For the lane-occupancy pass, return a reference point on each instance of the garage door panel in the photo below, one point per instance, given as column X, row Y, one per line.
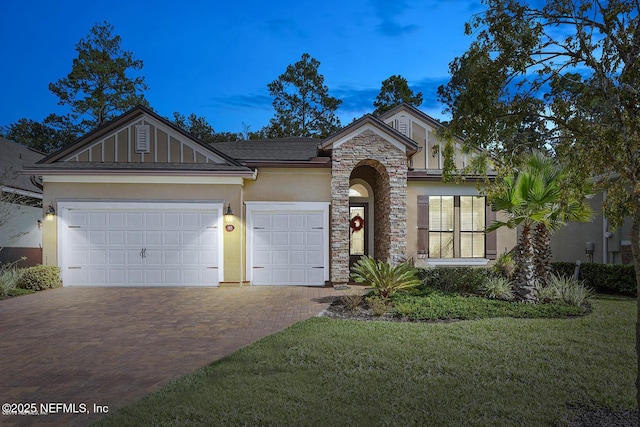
column 134, row 220
column 280, row 221
column 97, row 219
column 116, row 257
column 280, row 257
column 280, row 238
column 297, row 257
column 172, row 257
column 153, row 237
column 296, row 221
column 314, row 238
column 315, row 275
column 154, row 220
column 115, row 237
column 98, row 237
column 98, row 276
column 134, row 238
column 207, row 220
column 97, row 257
column 115, row 219
column 262, row 258
column 314, row 220
column 190, row 258
column 209, row 237
column 153, row 276
column 77, row 258
column 153, row 257
column 135, row 277
column 296, row 238
column 116, row 277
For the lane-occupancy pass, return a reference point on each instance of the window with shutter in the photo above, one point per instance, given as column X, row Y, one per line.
column 423, row 226
column 453, row 227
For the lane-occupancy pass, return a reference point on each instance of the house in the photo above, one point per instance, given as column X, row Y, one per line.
column 140, row 202
column 20, row 207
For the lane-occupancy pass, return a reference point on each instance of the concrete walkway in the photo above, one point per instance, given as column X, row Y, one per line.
column 112, row 346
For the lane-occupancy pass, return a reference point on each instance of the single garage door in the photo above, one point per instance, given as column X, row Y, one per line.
column 140, row 244
column 288, row 246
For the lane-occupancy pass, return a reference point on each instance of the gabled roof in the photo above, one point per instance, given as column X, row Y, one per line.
column 77, row 156
column 410, row 109
column 14, row 157
column 371, row 122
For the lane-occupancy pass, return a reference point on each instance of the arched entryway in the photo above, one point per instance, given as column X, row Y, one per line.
column 372, row 160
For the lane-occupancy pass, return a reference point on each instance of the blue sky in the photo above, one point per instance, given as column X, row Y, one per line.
column 215, row 58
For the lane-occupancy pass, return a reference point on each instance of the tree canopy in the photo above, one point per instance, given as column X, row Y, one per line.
column 200, row 128
column 98, row 88
column 563, row 74
column 302, row 104
column 394, row 91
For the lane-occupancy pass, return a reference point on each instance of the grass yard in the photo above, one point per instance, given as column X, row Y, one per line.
column 327, row 372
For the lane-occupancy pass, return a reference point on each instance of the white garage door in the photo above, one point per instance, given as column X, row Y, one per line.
column 142, row 244
column 289, row 246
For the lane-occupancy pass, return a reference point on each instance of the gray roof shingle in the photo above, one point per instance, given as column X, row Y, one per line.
column 280, row 149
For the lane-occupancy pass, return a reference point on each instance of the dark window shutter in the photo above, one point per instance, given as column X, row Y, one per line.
column 423, row 225
column 491, row 240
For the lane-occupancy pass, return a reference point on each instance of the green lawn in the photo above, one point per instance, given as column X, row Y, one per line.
column 326, row 372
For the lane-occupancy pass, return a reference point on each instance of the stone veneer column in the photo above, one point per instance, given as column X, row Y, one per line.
column 391, row 200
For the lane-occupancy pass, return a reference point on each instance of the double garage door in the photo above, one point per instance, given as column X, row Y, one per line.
column 140, row 244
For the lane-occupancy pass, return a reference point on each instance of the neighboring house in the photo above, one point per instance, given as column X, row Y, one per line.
column 595, row 241
column 140, row 202
column 20, row 206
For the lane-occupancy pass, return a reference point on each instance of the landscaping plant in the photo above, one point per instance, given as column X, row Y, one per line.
column 497, row 287
column 383, row 277
column 565, row 289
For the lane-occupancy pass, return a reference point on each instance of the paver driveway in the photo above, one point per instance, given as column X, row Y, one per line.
column 111, row 346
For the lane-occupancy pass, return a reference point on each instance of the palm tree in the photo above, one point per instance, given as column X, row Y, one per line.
column 535, row 199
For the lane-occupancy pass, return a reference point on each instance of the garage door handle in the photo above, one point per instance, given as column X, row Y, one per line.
column 75, row 268
column 258, row 267
column 318, row 267
column 212, row 268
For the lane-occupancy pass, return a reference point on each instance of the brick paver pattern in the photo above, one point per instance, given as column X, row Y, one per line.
column 112, row 346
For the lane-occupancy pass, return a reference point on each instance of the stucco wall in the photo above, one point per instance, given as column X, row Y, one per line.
column 234, row 258
column 21, row 229
column 289, row 184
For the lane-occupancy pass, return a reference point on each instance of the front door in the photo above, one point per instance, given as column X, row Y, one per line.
column 358, row 234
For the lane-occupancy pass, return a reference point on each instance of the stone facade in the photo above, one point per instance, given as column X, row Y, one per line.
column 390, row 199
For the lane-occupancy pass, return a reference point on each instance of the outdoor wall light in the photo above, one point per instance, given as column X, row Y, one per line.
column 51, row 212
column 228, row 215
column 228, row 219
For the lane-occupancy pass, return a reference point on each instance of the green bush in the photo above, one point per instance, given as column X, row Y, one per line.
column 505, row 266
column 564, row 289
column 497, row 287
column 384, row 278
column 9, row 278
column 467, row 280
column 379, row 305
column 352, row 299
column 40, row 277
column 606, row 278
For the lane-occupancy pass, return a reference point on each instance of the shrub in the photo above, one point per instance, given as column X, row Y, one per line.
column 606, row 278
column 352, row 300
column 497, row 287
column 384, row 278
column 379, row 305
column 562, row 288
column 9, row 278
column 40, row 277
column 454, row 279
column 505, row 265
